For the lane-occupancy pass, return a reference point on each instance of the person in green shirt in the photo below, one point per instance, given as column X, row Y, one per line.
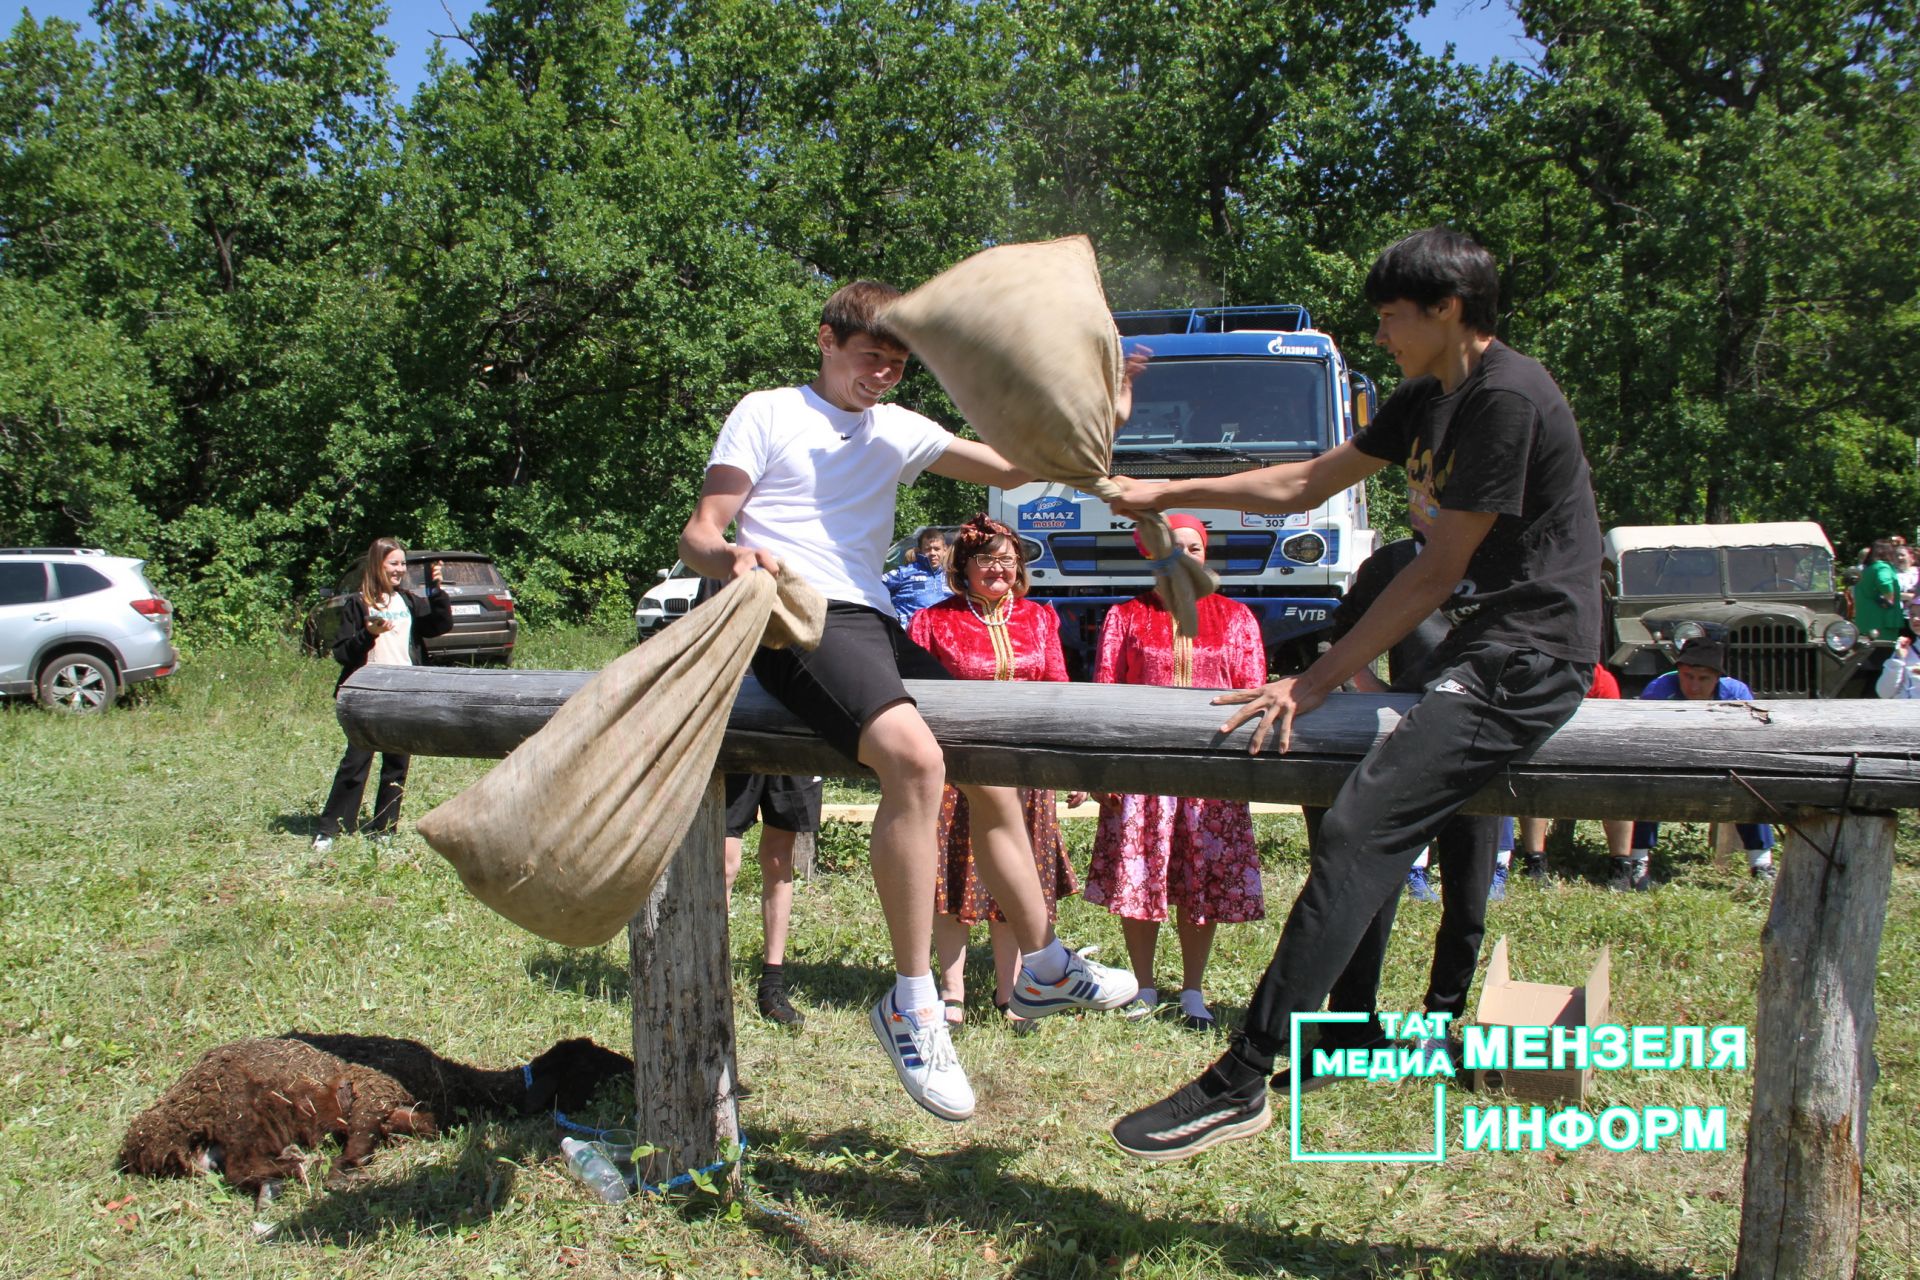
column 1876, row 597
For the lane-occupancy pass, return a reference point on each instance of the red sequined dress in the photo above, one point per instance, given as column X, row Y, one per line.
column 1151, row 852
column 1008, row 639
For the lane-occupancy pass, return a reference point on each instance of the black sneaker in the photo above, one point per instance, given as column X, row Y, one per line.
column 1762, row 872
column 1204, row 1114
column 1535, row 865
column 1620, row 875
column 1336, row 1037
column 775, row 1007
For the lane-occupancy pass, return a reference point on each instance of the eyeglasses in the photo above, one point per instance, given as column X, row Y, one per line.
column 997, row 562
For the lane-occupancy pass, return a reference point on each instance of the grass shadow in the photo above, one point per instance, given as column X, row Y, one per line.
column 304, row 825
column 590, row 973
column 831, row 984
column 1086, row 1234
column 439, row 1194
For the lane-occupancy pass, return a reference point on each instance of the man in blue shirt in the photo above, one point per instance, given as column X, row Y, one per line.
column 922, row 580
column 1698, row 677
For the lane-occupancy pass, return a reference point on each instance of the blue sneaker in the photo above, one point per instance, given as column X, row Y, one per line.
column 1417, row 886
column 1085, row 985
column 1498, row 889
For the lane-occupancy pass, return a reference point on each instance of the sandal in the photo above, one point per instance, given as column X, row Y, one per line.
column 1019, row 1025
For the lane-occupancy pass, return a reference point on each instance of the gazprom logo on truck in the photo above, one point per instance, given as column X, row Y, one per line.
column 1281, row 347
column 1050, row 512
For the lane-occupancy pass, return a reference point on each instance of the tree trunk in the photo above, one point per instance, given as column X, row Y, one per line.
column 1813, row 1051
column 683, row 1007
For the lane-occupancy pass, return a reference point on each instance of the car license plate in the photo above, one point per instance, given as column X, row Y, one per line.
column 465, row 610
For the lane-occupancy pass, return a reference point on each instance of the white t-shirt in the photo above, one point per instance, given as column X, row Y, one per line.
column 390, row 647
column 825, row 481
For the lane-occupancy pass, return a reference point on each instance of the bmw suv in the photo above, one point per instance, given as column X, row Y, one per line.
column 77, row 626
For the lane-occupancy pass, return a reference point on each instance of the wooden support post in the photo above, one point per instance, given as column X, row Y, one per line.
column 683, row 1006
column 1813, row 1052
column 804, row 847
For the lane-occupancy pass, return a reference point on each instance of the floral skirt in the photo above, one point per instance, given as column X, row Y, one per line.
column 957, row 890
column 1152, row 852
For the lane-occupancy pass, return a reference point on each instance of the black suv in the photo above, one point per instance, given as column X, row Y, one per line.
column 484, row 626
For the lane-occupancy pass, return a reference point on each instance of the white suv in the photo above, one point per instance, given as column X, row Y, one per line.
column 78, row 625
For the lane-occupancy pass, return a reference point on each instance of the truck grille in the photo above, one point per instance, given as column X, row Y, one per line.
column 1774, row 659
column 1160, row 469
column 1228, row 554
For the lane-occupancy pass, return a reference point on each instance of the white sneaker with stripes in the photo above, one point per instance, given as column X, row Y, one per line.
column 917, row 1043
column 1086, row 985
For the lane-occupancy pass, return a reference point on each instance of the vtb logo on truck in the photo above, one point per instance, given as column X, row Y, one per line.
column 1306, row 615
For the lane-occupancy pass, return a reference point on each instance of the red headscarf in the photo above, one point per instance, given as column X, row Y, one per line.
column 1177, row 520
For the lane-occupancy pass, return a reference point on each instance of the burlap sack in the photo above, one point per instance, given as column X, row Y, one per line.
column 567, row 836
column 1021, row 338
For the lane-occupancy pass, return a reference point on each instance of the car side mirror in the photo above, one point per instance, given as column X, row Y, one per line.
column 661, row 575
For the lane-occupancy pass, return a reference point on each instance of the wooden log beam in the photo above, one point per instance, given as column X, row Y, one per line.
column 684, row 1073
column 1813, row 1050
column 1668, row 760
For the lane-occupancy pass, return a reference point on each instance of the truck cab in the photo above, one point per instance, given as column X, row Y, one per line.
column 1226, row 389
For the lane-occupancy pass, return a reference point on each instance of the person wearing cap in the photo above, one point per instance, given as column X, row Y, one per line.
column 1153, row 855
column 1700, row 676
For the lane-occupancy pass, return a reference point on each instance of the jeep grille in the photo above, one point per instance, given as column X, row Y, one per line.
column 1774, row 659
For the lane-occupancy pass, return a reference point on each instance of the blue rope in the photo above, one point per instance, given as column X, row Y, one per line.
column 679, row 1179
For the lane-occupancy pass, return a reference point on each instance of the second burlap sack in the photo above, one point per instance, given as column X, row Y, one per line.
column 1021, row 337
column 568, row 835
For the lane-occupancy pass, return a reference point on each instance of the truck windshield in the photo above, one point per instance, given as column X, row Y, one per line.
column 1257, row 405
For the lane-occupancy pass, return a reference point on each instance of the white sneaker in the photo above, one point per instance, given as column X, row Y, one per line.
column 322, row 844
column 1085, row 985
column 922, row 1054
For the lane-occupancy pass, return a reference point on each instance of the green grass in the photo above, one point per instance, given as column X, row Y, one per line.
column 158, row 896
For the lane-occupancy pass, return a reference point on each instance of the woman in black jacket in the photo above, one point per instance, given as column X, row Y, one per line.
column 382, row 623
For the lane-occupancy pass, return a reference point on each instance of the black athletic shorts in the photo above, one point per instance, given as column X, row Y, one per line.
column 777, row 799
column 852, row 677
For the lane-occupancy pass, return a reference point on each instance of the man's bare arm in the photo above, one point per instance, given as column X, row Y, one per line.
column 1415, row 592
column 703, row 543
column 1278, row 490
column 976, row 463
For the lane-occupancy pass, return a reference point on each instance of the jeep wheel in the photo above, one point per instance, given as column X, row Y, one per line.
column 77, row 682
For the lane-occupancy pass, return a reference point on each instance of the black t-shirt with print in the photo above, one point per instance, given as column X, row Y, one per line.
column 1504, row 442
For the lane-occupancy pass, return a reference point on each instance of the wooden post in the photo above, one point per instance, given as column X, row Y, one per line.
column 804, row 846
column 1813, row 1052
column 683, row 1006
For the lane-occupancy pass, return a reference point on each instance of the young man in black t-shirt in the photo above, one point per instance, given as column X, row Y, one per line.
column 1501, row 501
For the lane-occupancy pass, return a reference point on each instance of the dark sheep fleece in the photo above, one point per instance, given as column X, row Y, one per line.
column 247, row 1108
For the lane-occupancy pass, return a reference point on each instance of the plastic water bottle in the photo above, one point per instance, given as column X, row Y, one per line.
column 593, row 1168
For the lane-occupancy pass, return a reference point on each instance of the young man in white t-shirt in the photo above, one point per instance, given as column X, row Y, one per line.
column 810, row 476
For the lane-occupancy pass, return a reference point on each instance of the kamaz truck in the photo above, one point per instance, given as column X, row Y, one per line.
column 1226, row 389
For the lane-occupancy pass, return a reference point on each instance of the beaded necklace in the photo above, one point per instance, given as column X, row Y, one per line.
column 999, row 613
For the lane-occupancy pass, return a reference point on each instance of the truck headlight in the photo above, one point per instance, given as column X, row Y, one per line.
column 1304, row 548
column 1688, row 631
column 1841, row 636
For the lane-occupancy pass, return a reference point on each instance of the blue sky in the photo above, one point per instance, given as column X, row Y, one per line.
column 1481, row 30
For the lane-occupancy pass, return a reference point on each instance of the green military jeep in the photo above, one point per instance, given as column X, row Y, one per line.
column 1767, row 590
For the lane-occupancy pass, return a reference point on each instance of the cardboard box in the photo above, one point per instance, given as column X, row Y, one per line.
column 1504, row 1002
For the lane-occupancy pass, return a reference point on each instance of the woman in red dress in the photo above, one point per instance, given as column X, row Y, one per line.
column 1152, row 852
column 989, row 630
